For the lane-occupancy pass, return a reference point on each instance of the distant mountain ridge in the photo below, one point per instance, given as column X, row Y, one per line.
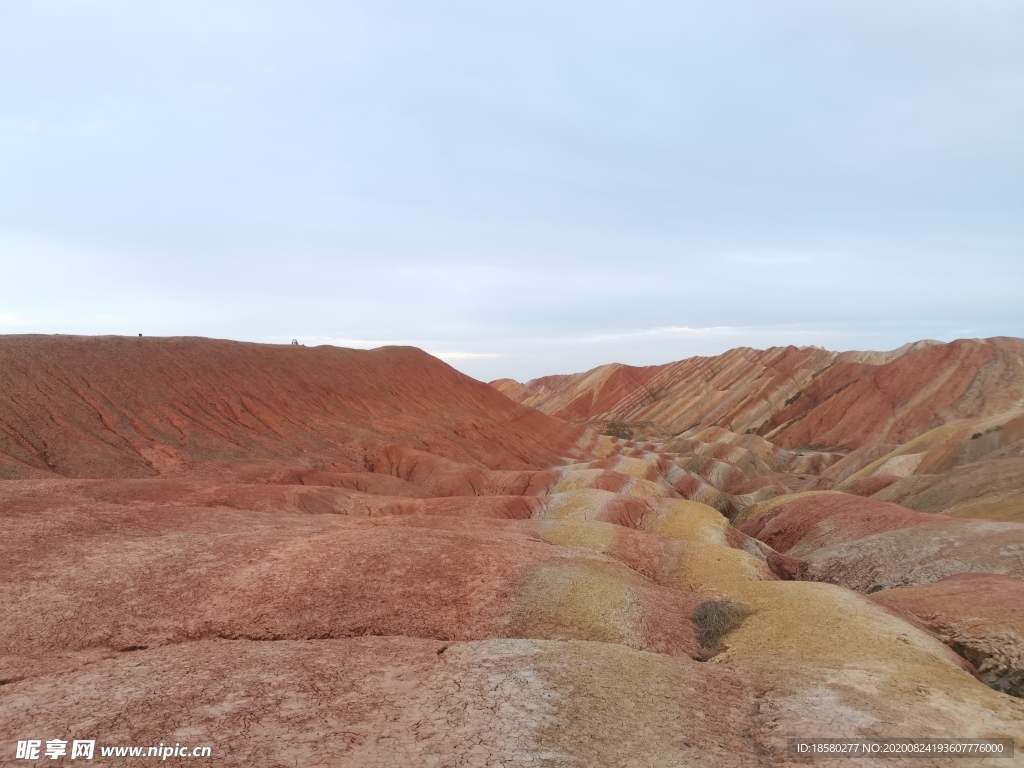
column 795, row 396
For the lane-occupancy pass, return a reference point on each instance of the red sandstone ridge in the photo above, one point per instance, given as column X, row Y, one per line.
column 797, row 396
column 153, row 407
column 451, row 578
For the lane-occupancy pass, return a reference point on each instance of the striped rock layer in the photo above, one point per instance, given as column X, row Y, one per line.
column 339, row 557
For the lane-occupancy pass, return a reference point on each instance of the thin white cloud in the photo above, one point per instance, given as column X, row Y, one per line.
column 710, row 332
column 11, row 320
column 465, row 355
column 335, row 341
column 779, row 259
column 666, row 332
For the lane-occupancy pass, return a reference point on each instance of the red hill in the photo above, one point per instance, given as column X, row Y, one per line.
column 148, row 407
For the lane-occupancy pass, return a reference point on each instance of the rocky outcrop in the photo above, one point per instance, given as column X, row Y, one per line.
column 979, row 615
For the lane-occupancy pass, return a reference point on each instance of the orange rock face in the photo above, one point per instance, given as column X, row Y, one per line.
column 364, row 558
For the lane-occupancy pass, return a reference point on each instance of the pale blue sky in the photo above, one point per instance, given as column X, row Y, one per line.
column 524, row 187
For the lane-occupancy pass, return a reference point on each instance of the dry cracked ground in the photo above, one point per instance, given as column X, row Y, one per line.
column 328, row 557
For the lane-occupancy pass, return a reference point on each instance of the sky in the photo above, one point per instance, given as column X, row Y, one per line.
column 520, row 187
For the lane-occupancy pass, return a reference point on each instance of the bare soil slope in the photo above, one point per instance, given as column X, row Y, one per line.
column 152, row 407
column 337, row 557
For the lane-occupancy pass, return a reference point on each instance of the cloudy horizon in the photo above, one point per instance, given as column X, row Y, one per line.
column 519, row 188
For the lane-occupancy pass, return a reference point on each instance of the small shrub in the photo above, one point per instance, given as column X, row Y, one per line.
column 714, row 620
